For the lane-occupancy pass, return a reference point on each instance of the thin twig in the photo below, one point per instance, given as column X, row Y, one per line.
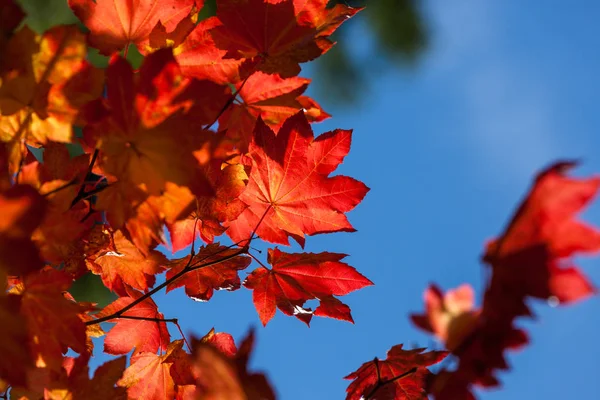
column 228, row 104
column 58, row 189
column 381, row 383
column 183, row 336
column 149, row 294
column 258, row 261
column 151, row 319
column 188, row 268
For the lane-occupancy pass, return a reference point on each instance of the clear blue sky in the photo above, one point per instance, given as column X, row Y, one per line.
column 448, row 148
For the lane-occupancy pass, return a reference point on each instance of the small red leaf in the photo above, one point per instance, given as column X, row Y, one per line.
column 299, row 277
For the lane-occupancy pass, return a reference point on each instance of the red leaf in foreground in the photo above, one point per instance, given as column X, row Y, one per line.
column 223, row 378
column 299, row 277
column 219, row 270
column 290, row 182
column 222, row 341
column 530, row 259
column 140, row 335
column 401, row 376
column 76, row 382
column 22, row 209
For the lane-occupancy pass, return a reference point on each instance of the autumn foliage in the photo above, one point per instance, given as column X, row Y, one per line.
column 211, row 138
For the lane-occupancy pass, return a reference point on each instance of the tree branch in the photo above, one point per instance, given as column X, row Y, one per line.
column 381, row 383
column 188, row 268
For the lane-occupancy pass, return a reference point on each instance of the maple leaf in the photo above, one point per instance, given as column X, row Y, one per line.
column 530, row 259
column 134, row 131
column 63, row 225
column 220, row 377
column 277, row 35
column 298, row 277
column 271, row 98
column 401, row 376
column 22, row 209
column 122, row 265
column 142, row 334
column 530, row 255
column 290, row 191
column 45, row 80
column 199, row 57
column 53, row 321
column 450, row 317
column 76, row 383
column 222, row 341
column 14, row 363
column 149, row 377
column 211, row 211
column 216, row 267
column 115, row 24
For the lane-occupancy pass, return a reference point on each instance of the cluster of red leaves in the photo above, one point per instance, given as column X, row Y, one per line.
column 531, row 259
column 150, row 162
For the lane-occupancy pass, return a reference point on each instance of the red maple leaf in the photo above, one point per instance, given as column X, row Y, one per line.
column 136, row 329
column 116, row 24
column 22, row 209
column 532, row 253
column 75, row 382
column 299, row 277
column 290, row 191
column 530, row 259
column 221, row 377
column 273, row 99
column 199, row 57
column 277, row 34
column 401, row 376
column 214, row 267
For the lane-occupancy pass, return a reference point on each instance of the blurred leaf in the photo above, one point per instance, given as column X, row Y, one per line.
column 399, row 34
column 90, row 288
column 43, row 14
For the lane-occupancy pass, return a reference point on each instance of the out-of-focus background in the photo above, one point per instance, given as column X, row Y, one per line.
column 455, row 105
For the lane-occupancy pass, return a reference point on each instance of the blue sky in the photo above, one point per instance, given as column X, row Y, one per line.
column 448, row 149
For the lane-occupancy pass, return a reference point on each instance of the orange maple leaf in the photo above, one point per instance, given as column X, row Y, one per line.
column 149, row 375
column 116, row 24
column 122, row 265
